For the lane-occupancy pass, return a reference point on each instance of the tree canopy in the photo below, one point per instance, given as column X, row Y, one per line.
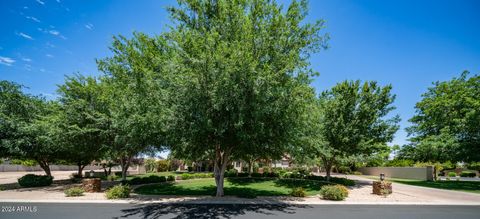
column 351, row 119
column 245, row 77
column 446, row 122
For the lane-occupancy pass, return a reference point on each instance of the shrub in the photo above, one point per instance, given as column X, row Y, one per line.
column 171, row 178
column 452, row 174
column 146, row 180
column 231, row 173
column 112, row 177
column 243, row 174
column 467, row 174
column 298, row 192
column 32, row 180
column 150, row 165
column 257, row 175
column 187, row 176
column 162, row 165
column 342, row 181
column 75, row 178
column 334, row 192
column 118, row 191
column 74, row 191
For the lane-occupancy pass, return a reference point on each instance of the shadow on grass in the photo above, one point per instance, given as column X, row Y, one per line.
column 210, row 190
column 306, row 184
column 184, row 210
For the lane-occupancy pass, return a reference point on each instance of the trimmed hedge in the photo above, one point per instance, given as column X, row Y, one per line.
column 467, row 174
column 171, row 178
column 32, row 180
column 452, row 174
column 294, row 175
column 147, row 180
column 334, row 192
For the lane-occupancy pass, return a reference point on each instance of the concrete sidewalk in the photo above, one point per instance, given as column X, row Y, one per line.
column 359, row 194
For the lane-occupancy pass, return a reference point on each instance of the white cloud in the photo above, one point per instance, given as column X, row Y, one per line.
column 33, row 18
column 89, row 26
column 42, row 70
column 40, row 2
column 6, row 61
column 27, row 67
column 49, row 45
column 54, row 32
column 25, row 7
column 63, row 37
column 25, row 36
column 49, row 55
column 26, row 59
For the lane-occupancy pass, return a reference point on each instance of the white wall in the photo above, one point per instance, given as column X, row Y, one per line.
column 420, row 173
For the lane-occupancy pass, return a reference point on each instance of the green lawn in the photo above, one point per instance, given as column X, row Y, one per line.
column 465, row 186
column 242, row 187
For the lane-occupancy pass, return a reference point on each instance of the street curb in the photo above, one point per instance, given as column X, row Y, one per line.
column 219, row 202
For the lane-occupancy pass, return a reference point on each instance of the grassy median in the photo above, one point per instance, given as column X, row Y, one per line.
column 242, row 187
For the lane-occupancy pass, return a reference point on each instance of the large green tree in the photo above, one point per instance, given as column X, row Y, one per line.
column 136, row 79
column 84, row 120
column 244, row 73
column 28, row 126
column 446, row 125
column 351, row 119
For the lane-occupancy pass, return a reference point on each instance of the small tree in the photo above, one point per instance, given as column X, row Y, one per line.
column 351, row 120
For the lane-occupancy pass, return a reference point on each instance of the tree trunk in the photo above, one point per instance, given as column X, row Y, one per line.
column 221, row 161
column 328, row 169
column 250, row 167
column 125, row 163
column 45, row 166
column 80, row 169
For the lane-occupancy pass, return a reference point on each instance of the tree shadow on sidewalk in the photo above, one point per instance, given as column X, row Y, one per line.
column 185, row 210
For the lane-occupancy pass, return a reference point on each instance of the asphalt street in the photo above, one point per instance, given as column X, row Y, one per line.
column 102, row 210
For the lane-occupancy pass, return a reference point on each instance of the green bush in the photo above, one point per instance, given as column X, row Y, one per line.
column 231, row 173
column 468, row 174
column 187, row 176
column 32, row 180
column 118, row 191
column 257, row 175
column 162, row 165
column 112, row 177
column 150, row 165
column 452, row 174
column 298, row 192
column 146, row 180
column 74, row 191
column 334, row 192
column 474, row 166
column 171, row 178
column 243, row 174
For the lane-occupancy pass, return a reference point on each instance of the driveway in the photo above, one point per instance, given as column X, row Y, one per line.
column 422, row 194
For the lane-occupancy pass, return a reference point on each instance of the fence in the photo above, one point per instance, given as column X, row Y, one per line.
column 420, row 173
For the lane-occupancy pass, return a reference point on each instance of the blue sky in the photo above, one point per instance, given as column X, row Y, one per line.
column 406, row 43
